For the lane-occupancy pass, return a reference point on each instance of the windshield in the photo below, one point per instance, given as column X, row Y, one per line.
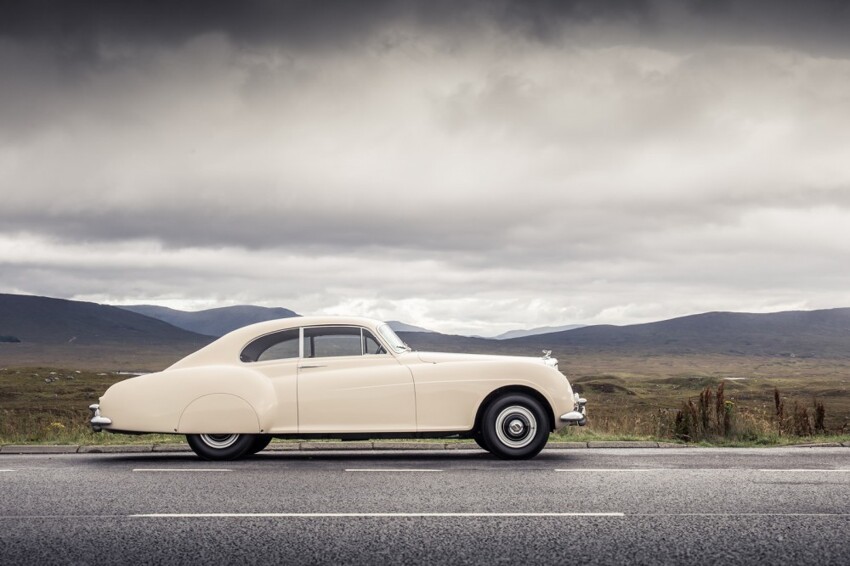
column 392, row 339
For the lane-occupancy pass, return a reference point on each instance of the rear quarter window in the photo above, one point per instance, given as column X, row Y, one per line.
column 275, row 346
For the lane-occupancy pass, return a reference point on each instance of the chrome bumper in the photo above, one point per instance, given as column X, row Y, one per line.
column 578, row 416
column 97, row 421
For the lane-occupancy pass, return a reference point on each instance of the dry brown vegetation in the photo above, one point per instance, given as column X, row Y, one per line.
column 51, row 406
column 713, row 398
column 688, row 398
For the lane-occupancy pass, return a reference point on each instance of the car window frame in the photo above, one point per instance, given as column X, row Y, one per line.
column 361, row 328
column 376, row 336
column 260, row 337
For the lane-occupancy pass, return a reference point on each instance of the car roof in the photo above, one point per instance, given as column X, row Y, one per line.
column 225, row 348
column 259, row 328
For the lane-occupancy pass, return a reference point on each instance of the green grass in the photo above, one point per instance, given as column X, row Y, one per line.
column 50, row 406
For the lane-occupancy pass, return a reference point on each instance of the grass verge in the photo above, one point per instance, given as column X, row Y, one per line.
column 49, row 406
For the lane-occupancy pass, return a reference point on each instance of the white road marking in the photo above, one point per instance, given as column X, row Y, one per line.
column 807, row 470
column 378, row 515
column 611, row 470
column 391, row 470
column 739, row 515
column 7, row 470
column 181, row 470
column 798, row 470
column 410, row 515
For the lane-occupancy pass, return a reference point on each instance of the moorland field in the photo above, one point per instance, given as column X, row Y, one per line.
column 719, row 377
column 628, row 397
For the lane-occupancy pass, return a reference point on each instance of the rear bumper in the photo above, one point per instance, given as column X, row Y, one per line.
column 97, row 420
column 578, row 416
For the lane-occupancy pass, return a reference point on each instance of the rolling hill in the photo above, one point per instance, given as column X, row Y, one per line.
column 399, row 326
column 66, row 333
column 212, row 322
column 803, row 334
column 519, row 333
column 42, row 320
column 62, row 333
column 797, row 334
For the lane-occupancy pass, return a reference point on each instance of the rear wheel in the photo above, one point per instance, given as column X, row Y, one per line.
column 220, row 446
column 515, row 426
column 260, row 442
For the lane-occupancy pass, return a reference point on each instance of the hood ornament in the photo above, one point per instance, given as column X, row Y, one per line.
column 547, row 354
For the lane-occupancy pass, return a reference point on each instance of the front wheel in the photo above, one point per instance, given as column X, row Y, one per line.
column 479, row 440
column 515, row 426
column 220, row 446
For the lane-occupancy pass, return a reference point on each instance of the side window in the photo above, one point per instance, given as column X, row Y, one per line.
column 371, row 345
column 327, row 341
column 276, row 346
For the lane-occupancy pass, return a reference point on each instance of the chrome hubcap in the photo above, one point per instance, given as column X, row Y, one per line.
column 516, row 426
column 219, row 441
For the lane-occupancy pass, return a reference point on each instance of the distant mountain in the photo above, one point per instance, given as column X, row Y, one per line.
column 437, row 342
column 212, row 322
column 519, row 333
column 46, row 332
column 404, row 327
column 820, row 333
column 42, row 320
column 801, row 334
column 61, row 333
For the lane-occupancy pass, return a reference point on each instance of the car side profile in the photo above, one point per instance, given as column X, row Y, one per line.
column 341, row 377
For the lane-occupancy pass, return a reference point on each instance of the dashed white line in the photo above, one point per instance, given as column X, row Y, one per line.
column 181, row 470
column 610, row 470
column 391, row 470
column 378, row 515
column 739, row 514
column 804, row 470
column 7, row 470
column 796, row 470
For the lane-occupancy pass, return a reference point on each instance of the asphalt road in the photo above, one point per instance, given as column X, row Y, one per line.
column 640, row 506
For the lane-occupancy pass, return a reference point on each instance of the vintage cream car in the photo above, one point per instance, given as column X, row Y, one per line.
column 340, row 377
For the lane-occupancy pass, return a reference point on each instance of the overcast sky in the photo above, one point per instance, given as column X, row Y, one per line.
column 469, row 167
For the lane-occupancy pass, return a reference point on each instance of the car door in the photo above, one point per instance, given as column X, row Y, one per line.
column 276, row 356
column 349, row 383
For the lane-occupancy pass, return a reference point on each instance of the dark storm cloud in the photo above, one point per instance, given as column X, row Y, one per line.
column 510, row 163
column 77, row 26
column 174, row 22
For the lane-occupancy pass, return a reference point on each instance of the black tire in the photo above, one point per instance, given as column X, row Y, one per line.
column 515, row 426
column 260, row 442
column 479, row 440
column 220, row 446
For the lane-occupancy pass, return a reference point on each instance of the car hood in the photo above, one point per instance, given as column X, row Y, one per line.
column 443, row 357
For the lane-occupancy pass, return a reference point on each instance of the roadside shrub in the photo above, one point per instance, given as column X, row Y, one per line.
column 779, row 404
column 799, row 422
column 800, row 419
column 712, row 417
column 820, row 415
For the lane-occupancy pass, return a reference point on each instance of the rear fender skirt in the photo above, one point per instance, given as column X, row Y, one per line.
column 219, row 413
